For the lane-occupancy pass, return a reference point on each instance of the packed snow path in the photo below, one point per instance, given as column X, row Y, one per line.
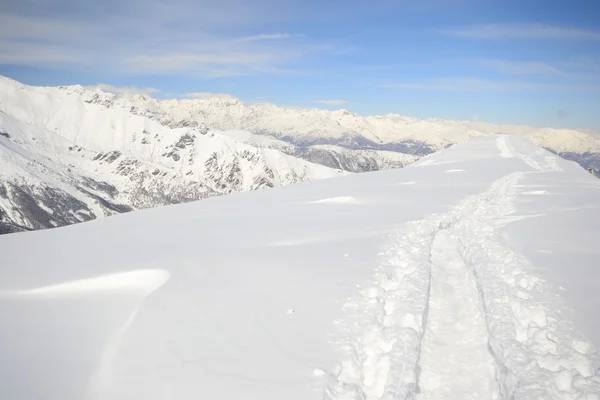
column 454, row 314
column 455, row 362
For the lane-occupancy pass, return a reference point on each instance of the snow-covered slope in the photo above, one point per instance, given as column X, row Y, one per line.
column 69, row 154
column 470, row 274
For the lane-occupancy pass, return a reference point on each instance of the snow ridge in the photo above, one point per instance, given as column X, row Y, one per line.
column 454, row 261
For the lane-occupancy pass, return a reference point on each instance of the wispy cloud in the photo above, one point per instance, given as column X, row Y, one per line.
column 331, row 102
column 477, row 85
column 123, row 89
column 522, row 31
column 147, row 37
column 272, row 36
column 558, row 72
column 376, row 67
column 518, row 67
column 17, row 52
column 207, row 95
column 217, row 63
column 221, row 59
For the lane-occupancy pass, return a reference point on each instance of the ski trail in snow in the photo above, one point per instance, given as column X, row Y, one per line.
column 382, row 336
column 502, row 144
column 541, row 161
column 455, row 362
column 453, row 313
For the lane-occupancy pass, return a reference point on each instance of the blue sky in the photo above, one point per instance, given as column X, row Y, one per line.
column 527, row 62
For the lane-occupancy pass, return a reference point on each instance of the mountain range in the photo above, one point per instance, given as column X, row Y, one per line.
column 70, row 154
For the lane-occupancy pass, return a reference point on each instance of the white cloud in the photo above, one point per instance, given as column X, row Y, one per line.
column 331, row 102
column 123, row 89
column 522, row 31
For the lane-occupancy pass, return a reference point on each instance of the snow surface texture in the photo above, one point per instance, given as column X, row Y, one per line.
column 405, row 284
column 70, row 155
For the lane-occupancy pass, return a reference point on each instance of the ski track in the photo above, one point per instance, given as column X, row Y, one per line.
column 454, row 313
column 502, row 144
column 455, row 362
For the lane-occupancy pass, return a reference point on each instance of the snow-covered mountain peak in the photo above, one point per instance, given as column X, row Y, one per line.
column 342, row 112
column 71, row 153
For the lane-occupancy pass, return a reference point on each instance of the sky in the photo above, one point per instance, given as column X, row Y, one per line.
column 534, row 62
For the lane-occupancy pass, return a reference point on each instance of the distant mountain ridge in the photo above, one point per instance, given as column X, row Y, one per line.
column 68, row 154
column 71, row 154
column 344, row 128
column 306, row 127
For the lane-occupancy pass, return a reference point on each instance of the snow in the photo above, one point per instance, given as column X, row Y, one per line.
column 144, row 281
column 337, row 200
column 411, row 283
